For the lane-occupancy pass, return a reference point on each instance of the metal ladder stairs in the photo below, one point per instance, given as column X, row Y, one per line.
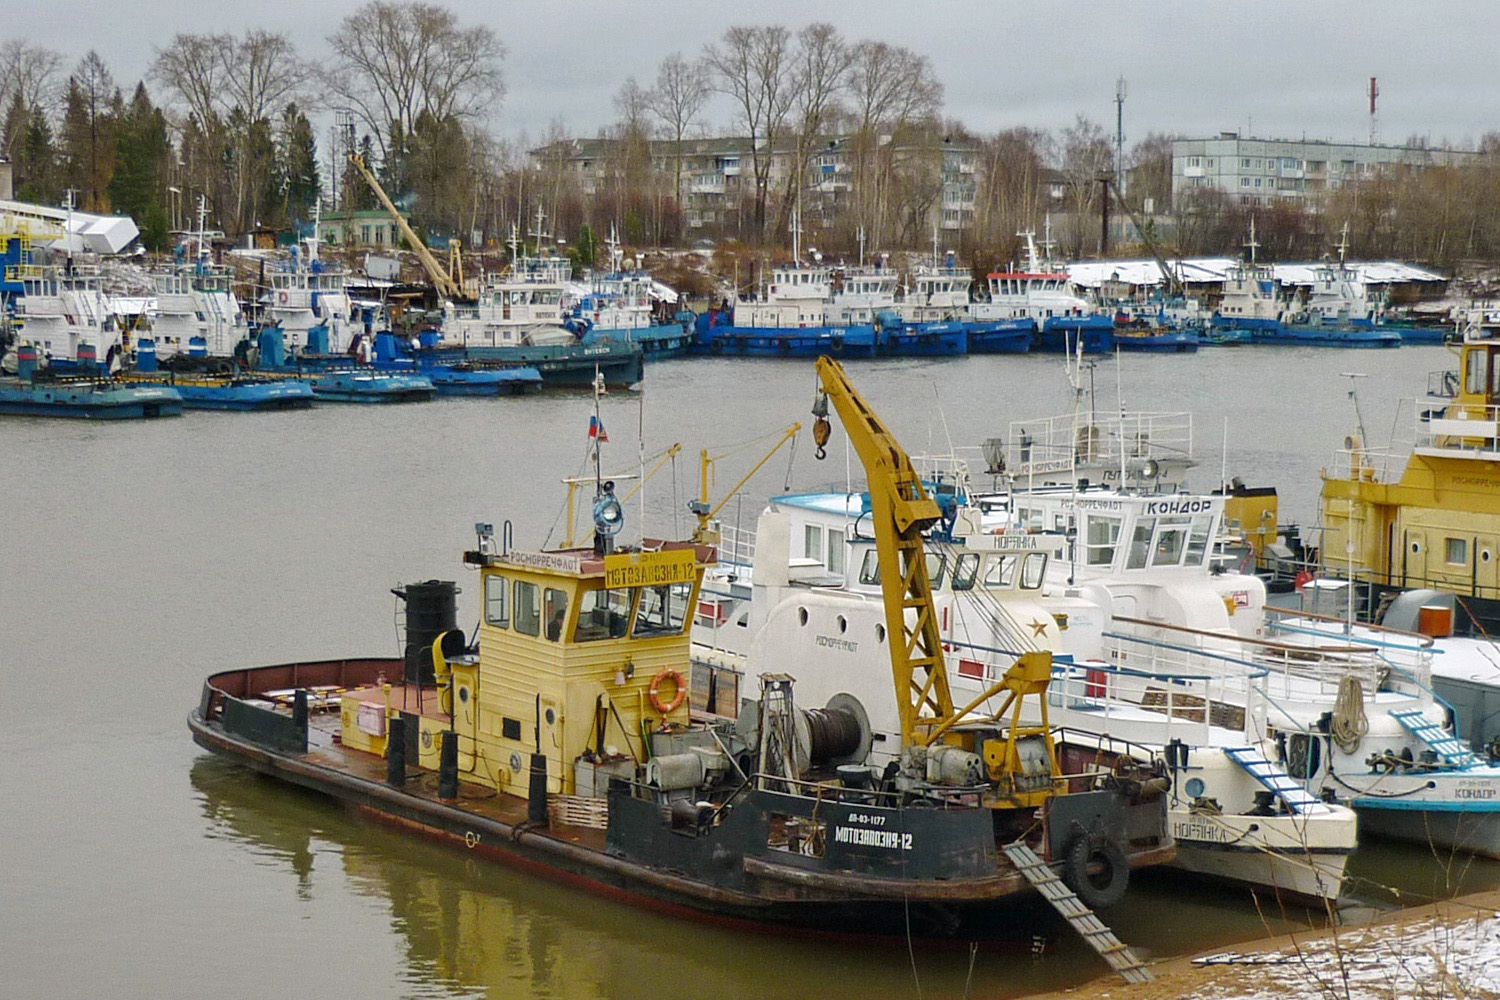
column 1271, row 776
column 1447, row 746
column 1064, row 901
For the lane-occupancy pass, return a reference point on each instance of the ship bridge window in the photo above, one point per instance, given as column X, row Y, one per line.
column 1034, row 570
column 869, row 570
column 1140, row 543
column 602, row 614
column 1102, row 535
column 555, row 607
column 965, row 569
column 1197, row 549
column 527, row 608
column 662, row 610
column 836, row 552
column 1000, row 571
column 1171, row 536
column 1475, row 363
column 495, row 587
column 812, row 542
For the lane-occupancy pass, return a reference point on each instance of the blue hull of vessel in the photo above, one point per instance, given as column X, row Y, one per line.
column 290, row 394
column 1168, row 342
column 88, row 402
column 1013, row 336
column 926, row 340
column 1064, row 333
column 809, row 342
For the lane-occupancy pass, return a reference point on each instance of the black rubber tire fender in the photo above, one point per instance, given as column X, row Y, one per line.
column 1103, row 888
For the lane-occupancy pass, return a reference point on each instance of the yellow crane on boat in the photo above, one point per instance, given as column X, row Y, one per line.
column 901, row 510
column 700, row 507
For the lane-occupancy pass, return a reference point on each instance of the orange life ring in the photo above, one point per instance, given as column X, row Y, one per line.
column 655, row 691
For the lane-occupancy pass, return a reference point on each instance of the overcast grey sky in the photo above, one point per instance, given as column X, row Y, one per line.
column 1272, row 69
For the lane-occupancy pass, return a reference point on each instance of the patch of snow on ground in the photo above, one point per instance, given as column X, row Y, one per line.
column 1426, row 959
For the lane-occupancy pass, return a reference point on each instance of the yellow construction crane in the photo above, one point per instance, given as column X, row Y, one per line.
column 447, row 285
column 901, row 510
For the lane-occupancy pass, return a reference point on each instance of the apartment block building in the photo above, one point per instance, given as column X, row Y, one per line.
column 1258, row 171
column 718, row 174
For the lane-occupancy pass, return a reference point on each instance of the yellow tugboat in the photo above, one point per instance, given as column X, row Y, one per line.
column 1433, row 524
column 562, row 739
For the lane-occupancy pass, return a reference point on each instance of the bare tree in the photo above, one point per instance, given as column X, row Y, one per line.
column 819, row 71
column 632, row 181
column 262, row 74
column 31, row 71
column 396, row 60
column 750, row 67
column 1012, row 166
column 193, row 70
column 1087, row 153
column 681, row 88
column 890, row 88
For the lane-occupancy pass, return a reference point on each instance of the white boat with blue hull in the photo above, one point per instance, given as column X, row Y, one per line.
column 1061, row 320
column 213, row 384
column 626, row 304
column 1341, row 709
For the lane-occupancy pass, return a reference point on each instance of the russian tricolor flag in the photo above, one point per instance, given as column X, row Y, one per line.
column 596, row 430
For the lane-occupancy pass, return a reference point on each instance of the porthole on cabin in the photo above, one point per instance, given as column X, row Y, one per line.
column 880, row 633
column 1416, row 547
column 802, row 616
column 1484, row 555
column 843, row 624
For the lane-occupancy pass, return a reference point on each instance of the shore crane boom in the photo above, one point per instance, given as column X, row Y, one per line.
column 445, row 283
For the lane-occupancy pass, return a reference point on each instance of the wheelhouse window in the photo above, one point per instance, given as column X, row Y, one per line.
column 937, row 568
column 1140, row 543
column 495, row 589
column 1474, row 372
column 1033, row 570
column 812, row 541
column 869, row 569
column 662, row 610
column 1000, row 571
column 965, row 570
column 555, row 609
column 602, row 614
column 1197, row 550
column 835, row 561
column 527, row 608
column 1171, row 541
column 1102, row 534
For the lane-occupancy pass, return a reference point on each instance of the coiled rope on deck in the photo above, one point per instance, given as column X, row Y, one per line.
column 1349, row 723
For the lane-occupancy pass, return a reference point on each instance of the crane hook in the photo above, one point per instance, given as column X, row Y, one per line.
column 822, row 430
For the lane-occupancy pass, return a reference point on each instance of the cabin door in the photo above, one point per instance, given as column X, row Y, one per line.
column 464, row 677
column 551, row 737
column 1415, row 564
column 1486, row 574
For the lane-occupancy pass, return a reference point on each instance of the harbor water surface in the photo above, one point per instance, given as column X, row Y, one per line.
column 143, row 556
